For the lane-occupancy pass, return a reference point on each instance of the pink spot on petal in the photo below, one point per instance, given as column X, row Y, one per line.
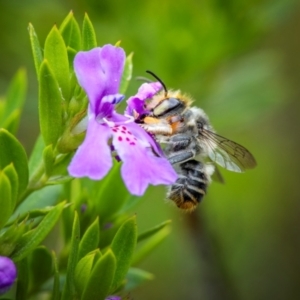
column 132, row 143
column 124, row 128
column 120, row 138
column 127, row 139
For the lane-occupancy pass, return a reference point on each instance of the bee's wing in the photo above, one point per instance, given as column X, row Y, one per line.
column 227, row 153
column 217, row 176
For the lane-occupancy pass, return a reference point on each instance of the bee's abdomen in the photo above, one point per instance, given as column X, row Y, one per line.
column 191, row 185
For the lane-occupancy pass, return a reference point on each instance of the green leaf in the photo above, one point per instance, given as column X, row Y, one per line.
column 36, row 49
column 50, row 105
column 5, row 199
column 23, row 279
column 11, row 151
column 12, row 175
column 33, row 238
column 147, row 234
column 109, row 199
column 90, row 239
column 71, row 55
column 16, row 92
column 55, row 53
column 69, row 291
column 56, row 283
column 100, row 280
column 83, row 271
column 70, row 32
column 40, row 266
column 11, row 123
column 15, row 97
column 136, row 277
column 88, row 34
column 49, row 159
column 38, row 201
column 123, row 246
column 28, row 215
column 127, row 73
column 144, row 250
column 10, row 237
column 36, row 155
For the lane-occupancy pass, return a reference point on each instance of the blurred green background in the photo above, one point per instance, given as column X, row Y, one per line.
column 240, row 61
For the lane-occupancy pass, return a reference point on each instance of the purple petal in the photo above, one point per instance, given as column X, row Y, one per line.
column 93, row 157
column 146, row 91
column 8, row 274
column 143, row 135
column 99, row 72
column 140, row 166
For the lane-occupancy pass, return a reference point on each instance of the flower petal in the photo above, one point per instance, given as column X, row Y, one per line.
column 93, row 157
column 140, row 166
column 99, row 72
column 146, row 91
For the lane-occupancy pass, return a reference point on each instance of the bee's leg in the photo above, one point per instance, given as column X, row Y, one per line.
column 181, row 156
column 180, row 141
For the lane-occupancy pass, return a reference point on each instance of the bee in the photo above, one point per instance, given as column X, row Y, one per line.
column 191, row 145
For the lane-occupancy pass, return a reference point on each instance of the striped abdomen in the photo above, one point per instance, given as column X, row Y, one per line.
column 190, row 187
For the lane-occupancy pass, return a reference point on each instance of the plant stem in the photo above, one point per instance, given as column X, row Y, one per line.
column 36, row 181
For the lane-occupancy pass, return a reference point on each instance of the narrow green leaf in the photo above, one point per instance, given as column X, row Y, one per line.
column 73, row 81
column 83, row 271
column 109, row 199
column 100, row 280
column 5, row 199
column 50, row 105
column 11, row 151
column 90, row 239
column 49, row 159
column 36, row 49
column 123, row 246
column 11, row 123
column 36, row 155
column 69, row 291
column 38, row 201
column 55, row 53
column 10, row 236
column 127, row 74
column 33, row 238
column 12, row 175
column 70, row 32
column 56, row 283
column 15, row 95
column 136, row 277
column 40, row 272
column 89, row 40
column 28, row 215
column 23, row 279
column 144, row 250
column 153, row 230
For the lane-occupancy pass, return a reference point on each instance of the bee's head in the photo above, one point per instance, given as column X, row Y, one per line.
column 168, row 105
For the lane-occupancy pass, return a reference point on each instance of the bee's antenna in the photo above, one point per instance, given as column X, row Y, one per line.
column 156, row 77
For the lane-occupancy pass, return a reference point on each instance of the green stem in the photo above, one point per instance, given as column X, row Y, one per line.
column 36, row 182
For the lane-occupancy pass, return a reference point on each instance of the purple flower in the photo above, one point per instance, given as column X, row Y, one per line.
column 136, row 103
column 99, row 73
column 8, row 274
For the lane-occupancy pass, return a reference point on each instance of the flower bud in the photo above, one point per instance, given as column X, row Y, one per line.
column 8, row 274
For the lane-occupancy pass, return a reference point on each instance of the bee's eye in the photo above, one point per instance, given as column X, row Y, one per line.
column 168, row 106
